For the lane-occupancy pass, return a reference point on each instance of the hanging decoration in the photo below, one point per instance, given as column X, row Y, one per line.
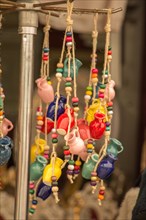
column 6, row 125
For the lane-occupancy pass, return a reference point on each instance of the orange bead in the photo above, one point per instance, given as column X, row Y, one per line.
column 94, row 75
column 39, row 118
column 1, row 112
column 101, row 197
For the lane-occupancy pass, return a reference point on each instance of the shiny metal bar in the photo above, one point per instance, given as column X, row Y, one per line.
column 25, row 110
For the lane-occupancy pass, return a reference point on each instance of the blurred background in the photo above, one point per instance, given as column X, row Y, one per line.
column 128, row 71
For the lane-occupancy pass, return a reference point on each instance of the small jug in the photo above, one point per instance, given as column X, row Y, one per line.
column 43, row 191
column 63, row 121
column 109, row 91
column 97, row 126
column 78, row 64
column 50, row 125
column 45, row 90
column 60, row 110
column 93, row 108
column 37, row 148
column 89, row 166
column 6, row 145
column 76, row 144
column 114, row 147
column 84, row 130
column 6, row 126
column 106, row 167
column 37, row 167
column 48, row 171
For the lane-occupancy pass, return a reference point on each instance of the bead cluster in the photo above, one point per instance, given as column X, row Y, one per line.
column 59, row 70
column 68, row 84
column 94, row 75
column 101, row 194
column 39, row 119
column 67, row 154
column 77, row 166
column 89, row 91
column 69, row 39
column 94, row 179
column 33, row 207
column 90, row 146
column 101, row 91
column 55, row 188
column 45, row 54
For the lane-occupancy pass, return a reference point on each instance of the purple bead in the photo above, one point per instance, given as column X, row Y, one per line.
column 69, row 172
column 107, row 123
column 93, row 183
column 76, row 171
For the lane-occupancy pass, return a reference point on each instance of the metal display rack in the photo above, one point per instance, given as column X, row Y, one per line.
column 28, row 24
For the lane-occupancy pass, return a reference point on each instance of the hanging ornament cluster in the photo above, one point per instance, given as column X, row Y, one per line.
column 57, row 115
column 6, row 125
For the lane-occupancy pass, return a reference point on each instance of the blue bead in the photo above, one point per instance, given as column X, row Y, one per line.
column 34, row 202
column 45, row 49
column 68, row 34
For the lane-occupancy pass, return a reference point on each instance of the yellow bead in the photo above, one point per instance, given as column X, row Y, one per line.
column 89, row 146
column 55, row 189
column 89, row 93
column 94, row 80
column 76, row 109
column 60, row 65
column 68, row 89
column 78, row 163
column 93, row 178
column 101, row 90
column 101, row 197
column 33, row 206
column 49, row 82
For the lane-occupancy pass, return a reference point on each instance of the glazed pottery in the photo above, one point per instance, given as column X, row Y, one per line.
column 60, row 110
column 63, row 121
column 84, row 130
column 37, row 167
column 114, row 147
column 48, row 171
column 78, row 64
column 109, row 91
column 37, row 148
column 76, row 144
column 45, row 90
column 93, row 108
column 6, row 126
column 89, row 166
column 97, row 126
column 43, row 191
column 50, row 125
column 106, row 166
column 5, row 149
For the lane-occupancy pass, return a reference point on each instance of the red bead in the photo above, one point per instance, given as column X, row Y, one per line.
column 68, row 79
column 45, row 54
column 110, row 104
column 94, row 70
column 54, row 135
column 45, row 58
column 68, row 39
column 76, row 167
column 101, row 95
column 109, row 52
column 66, row 152
column 93, row 173
column 75, row 99
column 39, row 109
column 101, row 192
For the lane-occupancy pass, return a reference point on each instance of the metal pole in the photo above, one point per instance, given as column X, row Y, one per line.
column 28, row 22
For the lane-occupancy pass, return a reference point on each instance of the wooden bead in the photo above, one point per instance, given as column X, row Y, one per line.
column 76, row 109
column 68, row 89
column 94, row 80
column 60, row 65
column 101, row 197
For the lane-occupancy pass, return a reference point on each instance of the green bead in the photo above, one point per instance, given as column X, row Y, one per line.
column 89, row 88
column 109, row 48
column 59, row 70
column 105, row 72
column 108, row 129
column 66, row 147
column 89, row 151
column 71, row 162
column 75, row 104
column 48, row 78
column 54, row 140
column 54, row 183
column 109, row 108
column 31, row 191
column 68, row 84
column 102, row 86
column 32, row 211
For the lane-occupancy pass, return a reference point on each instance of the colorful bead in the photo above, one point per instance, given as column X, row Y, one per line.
column 71, row 162
column 78, row 163
column 54, row 135
column 34, row 202
column 32, row 211
column 101, row 197
column 60, row 65
column 75, row 99
column 54, row 140
column 68, row 79
column 66, row 152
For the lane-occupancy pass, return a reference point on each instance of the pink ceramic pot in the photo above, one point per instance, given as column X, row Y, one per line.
column 6, row 126
column 109, row 91
column 45, row 90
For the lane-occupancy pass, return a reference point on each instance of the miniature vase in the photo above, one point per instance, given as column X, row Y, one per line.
column 110, row 91
column 114, row 147
column 78, row 64
column 45, row 90
column 43, row 191
column 37, row 167
column 47, row 125
column 64, row 120
column 48, row 171
column 106, row 167
column 97, row 126
column 76, row 144
column 60, row 110
column 6, row 145
column 89, row 166
column 84, row 130
column 93, row 108
column 6, row 126
column 37, row 148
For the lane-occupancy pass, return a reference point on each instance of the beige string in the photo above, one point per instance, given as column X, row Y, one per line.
column 107, row 30
column 1, row 133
